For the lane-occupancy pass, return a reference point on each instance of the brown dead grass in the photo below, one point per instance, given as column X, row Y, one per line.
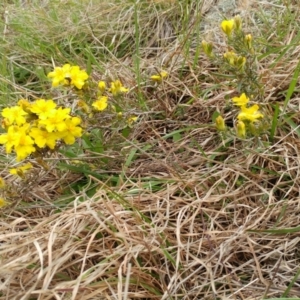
column 188, row 220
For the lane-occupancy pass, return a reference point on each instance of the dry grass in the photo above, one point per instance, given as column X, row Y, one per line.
column 179, row 213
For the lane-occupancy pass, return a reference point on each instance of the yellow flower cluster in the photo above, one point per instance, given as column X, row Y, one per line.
column 68, row 75
column 246, row 116
column 37, row 125
column 249, row 114
column 116, row 89
column 234, row 60
column 233, row 30
column 235, row 26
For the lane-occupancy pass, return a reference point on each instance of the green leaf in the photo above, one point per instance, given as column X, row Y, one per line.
column 294, row 126
column 281, row 298
column 274, row 122
column 214, row 116
column 126, row 132
column 291, row 284
column 292, row 86
column 277, row 231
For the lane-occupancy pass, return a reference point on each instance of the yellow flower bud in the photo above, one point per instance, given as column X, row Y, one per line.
column 25, row 104
column 207, row 48
column 241, row 129
column 234, row 60
column 5, row 123
column 248, row 41
column 231, row 57
column 238, row 23
column 220, row 123
column 102, row 86
column 83, row 106
column 240, row 62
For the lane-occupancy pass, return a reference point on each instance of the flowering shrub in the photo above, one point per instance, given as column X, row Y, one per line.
column 239, row 61
column 42, row 124
column 32, row 128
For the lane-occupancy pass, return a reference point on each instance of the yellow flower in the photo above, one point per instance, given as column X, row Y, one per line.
column 220, row 123
column 55, row 121
column 131, row 120
column 20, row 171
column 43, row 138
column 250, row 114
column 159, row 77
column 101, row 103
column 240, row 101
column 11, row 138
column 68, row 75
column 227, row 26
column 241, row 129
column 72, row 131
column 14, row 114
column 102, row 86
column 24, row 147
column 60, row 75
column 42, row 108
column 117, row 88
column 3, row 202
column 78, row 77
